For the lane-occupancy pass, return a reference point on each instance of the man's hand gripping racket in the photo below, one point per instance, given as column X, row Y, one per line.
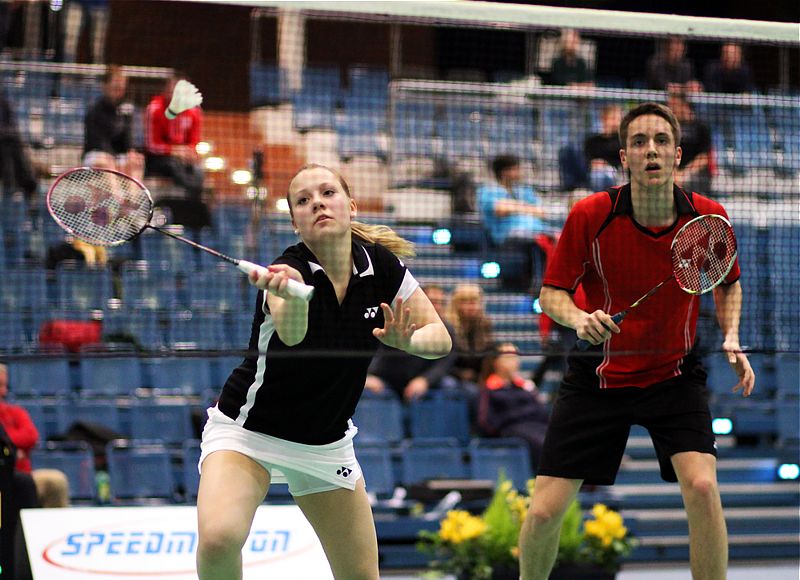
column 108, row 208
column 703, row 252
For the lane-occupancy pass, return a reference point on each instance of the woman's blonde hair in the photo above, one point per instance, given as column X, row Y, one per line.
column 372, row 234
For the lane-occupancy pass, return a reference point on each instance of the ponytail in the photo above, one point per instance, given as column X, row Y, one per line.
column 385, row 236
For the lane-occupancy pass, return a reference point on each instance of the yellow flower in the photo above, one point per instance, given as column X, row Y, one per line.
column 460, row 525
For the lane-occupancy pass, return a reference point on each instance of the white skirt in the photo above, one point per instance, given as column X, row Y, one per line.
column 334, row 462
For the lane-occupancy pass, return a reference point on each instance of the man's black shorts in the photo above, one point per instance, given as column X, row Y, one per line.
column 589, row 427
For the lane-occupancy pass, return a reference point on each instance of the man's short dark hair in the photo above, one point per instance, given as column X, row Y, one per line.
column 649, row 109
column 503, row 162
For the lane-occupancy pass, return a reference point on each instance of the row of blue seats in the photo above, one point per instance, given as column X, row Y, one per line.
column 148, row 469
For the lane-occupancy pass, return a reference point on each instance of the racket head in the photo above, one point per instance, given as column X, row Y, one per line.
column 703, row 253
column 102, row 207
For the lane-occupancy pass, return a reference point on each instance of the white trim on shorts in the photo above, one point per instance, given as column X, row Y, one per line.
column 333, row 463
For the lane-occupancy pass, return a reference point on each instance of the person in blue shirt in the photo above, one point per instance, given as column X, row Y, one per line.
column 513, row 217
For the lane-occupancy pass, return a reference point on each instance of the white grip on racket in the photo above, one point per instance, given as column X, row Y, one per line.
column 294, row 288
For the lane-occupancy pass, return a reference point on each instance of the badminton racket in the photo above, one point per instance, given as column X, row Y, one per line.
column 703, row 252
column 104, row 207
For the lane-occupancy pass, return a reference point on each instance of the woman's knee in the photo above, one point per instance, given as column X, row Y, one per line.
column 220, row 540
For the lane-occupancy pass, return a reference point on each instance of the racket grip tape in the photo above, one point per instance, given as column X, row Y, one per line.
column 294, row 288
column 617, row 318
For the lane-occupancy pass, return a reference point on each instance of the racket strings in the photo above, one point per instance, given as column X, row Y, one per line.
column 100, row 207
column 703, row 253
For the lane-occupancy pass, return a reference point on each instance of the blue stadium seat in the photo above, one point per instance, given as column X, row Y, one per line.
column 784, row 275
column 93, row 411
column 142, row 325
column 488, row 457
column 82, row 287
column 440, row 415
column 376, row 463
column 111, row 375
column 146, row 285
column 322, row 80
column 41, row 377
column 76, row 460
column 238, row 326
column 788, row 419
column 369, row 82
column 159, row 249
column 379, row 418
column 202, row 329
column 170, row 422
column 218, row 287
column 267, row 85
column 189, row 375
column 15, row 336
column 23, row 289
column 423, row 460
column 190, row 453
column 140, row 469
column 314, row 111
column 787, row 374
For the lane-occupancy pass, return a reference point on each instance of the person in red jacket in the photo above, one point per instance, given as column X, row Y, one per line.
column 17, row 426
column 170, row 143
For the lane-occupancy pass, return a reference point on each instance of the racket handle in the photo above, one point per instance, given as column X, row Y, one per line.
column 294, row 288
column 617, row 318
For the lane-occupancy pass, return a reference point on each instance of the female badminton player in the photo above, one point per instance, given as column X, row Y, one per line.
column 284, row 413
column 617, row 244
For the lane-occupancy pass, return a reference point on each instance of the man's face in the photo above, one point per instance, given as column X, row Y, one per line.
column 115, row 88
column 731, row 56
column 675, row 49
column 650, row 152
column 512, row 175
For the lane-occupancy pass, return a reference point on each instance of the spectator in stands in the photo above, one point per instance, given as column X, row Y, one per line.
column 642, row 371
column 285, row 411
column 669, row 69
column 407, row 375
column 18, row 433
column 569, row 68
column 108, row 139
column 76, row 13
column 16, row 170
column 170, row 144
column 729, row 74
column 511, row 406
column 697, row 162
column 74, row 249
column 513, row 215
column 602, row 151
column 473, row 331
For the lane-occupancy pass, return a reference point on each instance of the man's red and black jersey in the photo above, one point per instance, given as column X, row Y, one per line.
column 616, row 260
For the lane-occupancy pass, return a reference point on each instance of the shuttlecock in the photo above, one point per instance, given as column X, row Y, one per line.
column 184, row 96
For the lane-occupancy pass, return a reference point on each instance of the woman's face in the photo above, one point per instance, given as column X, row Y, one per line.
column 469, row 307
column 320, row 206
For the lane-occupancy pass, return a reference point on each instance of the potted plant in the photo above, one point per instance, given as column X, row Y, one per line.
column 484, row 547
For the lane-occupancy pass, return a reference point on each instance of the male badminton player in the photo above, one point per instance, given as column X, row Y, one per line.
column 617, row 245
column 284, row 413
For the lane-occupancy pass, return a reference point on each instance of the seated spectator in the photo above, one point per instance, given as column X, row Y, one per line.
column 669, row 69
column 18, row 434
column 513, row 215
column 568, row 67
column 410, row 376
column 74, row 249
column 16, row 170
column 729, row 74
column 509, row 405
column 108, row 139
column 697, row 161
column 472, row 331
column 170, row 143
column 602, row 151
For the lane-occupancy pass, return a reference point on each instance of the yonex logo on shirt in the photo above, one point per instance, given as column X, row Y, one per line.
column 344, row 471
column 371, row 312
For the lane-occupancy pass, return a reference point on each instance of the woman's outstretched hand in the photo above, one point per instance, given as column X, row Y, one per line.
column 397, row 328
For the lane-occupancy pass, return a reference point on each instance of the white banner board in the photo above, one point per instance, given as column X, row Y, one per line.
column 115, row 543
